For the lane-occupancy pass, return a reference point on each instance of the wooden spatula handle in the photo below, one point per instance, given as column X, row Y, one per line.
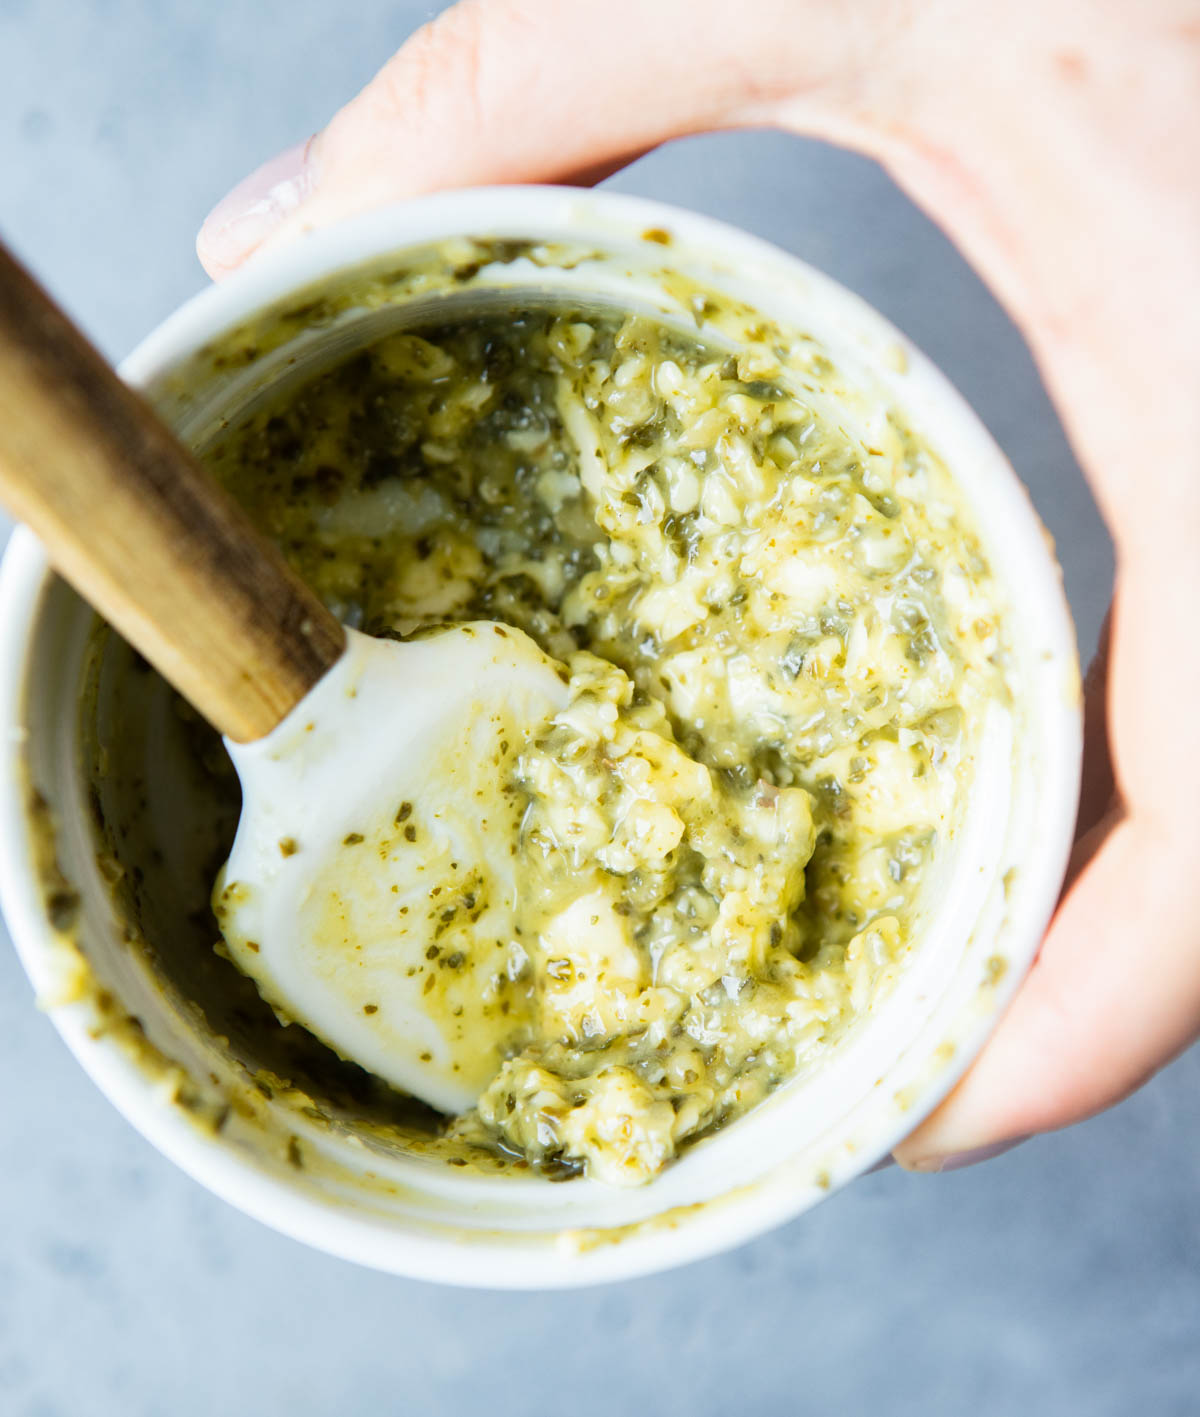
column 143, row 532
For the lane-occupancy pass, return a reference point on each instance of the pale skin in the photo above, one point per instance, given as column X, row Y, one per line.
column 1058, row 143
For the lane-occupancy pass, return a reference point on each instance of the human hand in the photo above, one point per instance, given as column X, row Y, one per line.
column 1058, row 144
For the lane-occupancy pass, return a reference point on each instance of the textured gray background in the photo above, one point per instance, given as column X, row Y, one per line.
column 1062, row 1278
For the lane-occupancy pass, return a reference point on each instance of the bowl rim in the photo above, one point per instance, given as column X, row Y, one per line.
column 545, row 213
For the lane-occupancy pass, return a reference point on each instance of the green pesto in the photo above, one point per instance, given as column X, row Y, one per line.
column 780, row 638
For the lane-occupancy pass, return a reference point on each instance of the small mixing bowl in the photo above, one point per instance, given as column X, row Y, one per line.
column 139, row 1007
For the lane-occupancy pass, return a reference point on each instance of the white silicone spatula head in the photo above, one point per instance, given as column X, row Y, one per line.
column 369, row 891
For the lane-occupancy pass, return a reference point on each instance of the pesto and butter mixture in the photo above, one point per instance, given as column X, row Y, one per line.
column 780, row 639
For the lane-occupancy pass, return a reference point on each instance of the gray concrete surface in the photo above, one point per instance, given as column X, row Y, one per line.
column 1062, row 1278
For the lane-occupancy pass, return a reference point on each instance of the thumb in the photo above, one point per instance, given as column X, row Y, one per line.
column 497, row 91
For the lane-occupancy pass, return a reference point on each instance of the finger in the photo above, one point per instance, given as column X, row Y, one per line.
column 247, row 215
column 1113, row 996
column 503, row 92
column 485, row 93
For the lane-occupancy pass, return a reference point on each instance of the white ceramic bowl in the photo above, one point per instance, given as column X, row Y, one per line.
column 408, row 1215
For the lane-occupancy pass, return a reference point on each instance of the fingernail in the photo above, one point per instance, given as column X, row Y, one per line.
column 243, row 220
column 959, row 1160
